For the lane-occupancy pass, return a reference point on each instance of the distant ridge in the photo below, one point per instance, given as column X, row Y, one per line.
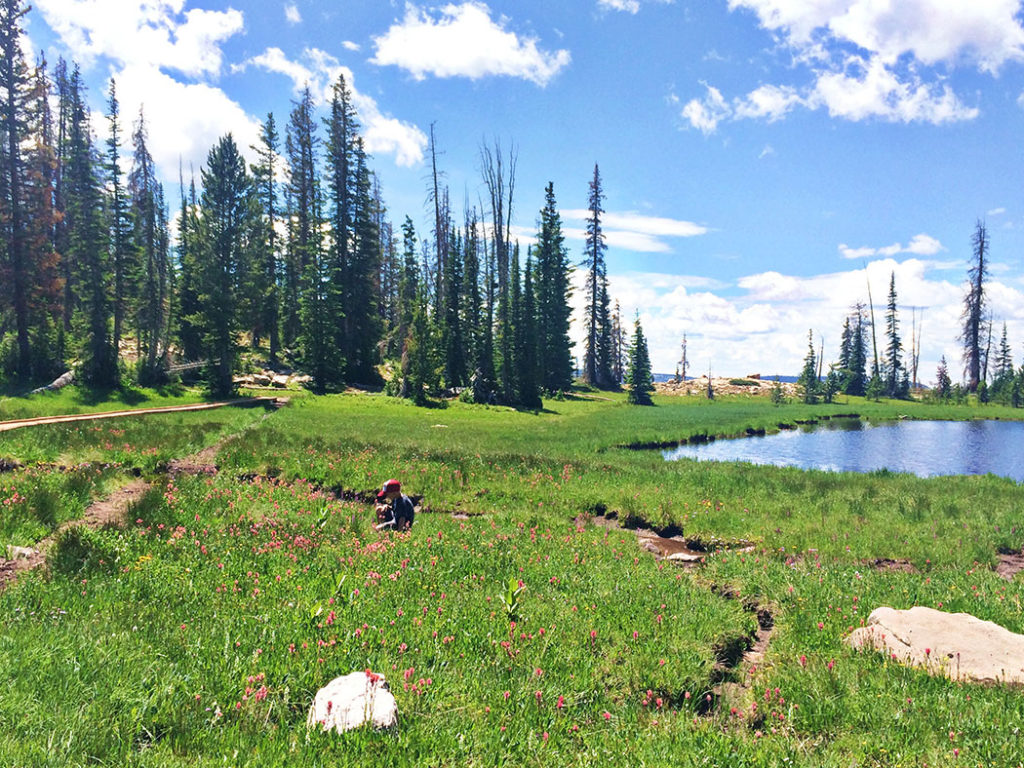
column 663, row 377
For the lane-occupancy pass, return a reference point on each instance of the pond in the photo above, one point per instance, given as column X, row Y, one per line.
column 923, row 448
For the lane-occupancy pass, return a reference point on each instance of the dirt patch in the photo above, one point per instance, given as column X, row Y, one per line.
column 201, row 463
column 1010, row 564
column 893, row 566
column 107, row 512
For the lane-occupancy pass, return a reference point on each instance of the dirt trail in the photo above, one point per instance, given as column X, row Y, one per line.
column 108, row 511
column 36, row 421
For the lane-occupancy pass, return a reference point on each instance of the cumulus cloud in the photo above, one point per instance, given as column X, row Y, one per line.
column 150, row 33
column 348, row 45
column 320, row 71
column 759, row 323
column 919, row 245
column 873, row 60
column 185, row 121
column 464, row 41
column 291, row 13
column 629, row 6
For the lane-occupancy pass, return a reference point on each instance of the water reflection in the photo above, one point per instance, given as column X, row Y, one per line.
column 923, row 448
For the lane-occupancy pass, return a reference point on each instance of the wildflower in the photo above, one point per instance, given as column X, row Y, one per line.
column 561, row 703
column 607, row 715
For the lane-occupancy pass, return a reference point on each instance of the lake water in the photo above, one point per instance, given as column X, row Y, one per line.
column 923, row 448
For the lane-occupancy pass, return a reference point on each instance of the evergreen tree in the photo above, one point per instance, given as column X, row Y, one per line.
column 808, row 379
column 453, row 341
column 1002, row 383
column 222, row 229
column 894, row 374
column 361, row 321
column 266, row 256
column 15, row 87
column 855, row 369
column 638, row 377
column 302, row 194
column 526, row 344
column 553, row 291
column 88, row 248
column 189, row 325
column 150, row 243
column 973, row 315
column 943, row 384
column 499, row 178
column 597, row 355
column 120, row 219
column 620, row 347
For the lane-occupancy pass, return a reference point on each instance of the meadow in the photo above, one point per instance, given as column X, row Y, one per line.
column 512, row 627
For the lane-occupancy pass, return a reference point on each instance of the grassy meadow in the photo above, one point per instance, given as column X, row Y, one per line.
column 512, row 628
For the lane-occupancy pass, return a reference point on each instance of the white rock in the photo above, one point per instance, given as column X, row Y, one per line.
column 20, row 553
column 957, row 645
column 353, row 700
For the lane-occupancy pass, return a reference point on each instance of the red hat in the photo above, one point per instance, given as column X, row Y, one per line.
column 390, row 485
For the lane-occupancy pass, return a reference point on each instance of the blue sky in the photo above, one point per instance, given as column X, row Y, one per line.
column 763, row 160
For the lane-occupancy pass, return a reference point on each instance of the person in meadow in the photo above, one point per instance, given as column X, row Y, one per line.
column 394, row 509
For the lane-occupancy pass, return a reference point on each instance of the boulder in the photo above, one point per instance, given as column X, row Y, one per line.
column 957, row 645
column 279, row 381
column 261, row 379
column 353, row 700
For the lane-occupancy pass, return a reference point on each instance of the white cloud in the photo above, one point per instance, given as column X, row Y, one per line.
column 988, row 33
column 919, row 245
column 319, row 70
column 463, row 41
column 629, row 6
column 185, row 121
column 291, row 13
column 893, row 76
column 631, row 231
column 705, row 114
column 147, row 33
column 348, row 45
column 766, row 152
column 996, row 212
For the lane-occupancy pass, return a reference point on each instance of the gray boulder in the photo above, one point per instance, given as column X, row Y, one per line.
column 956, row 645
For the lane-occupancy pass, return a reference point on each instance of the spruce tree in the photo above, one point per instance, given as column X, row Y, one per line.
column 943, row 384
column 553, row 289
column 526, row 344
column 453, row 340
column 808, row 379
column 973, row 316
column 88, row 248
column 302, row 194
column 150, row 245
column 120, row 219
column 597, row 354
column 265, row 260
column 15, row 87
column 222, row 229
column 638, row 376
column 893, row 365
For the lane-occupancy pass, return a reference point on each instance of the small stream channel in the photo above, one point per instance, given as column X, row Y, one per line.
column 923, row 448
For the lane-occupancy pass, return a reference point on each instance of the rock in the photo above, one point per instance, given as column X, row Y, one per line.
column 261, row 379
column 957, row 645
column 20, row 553
column 353, row 700
column 279, row 381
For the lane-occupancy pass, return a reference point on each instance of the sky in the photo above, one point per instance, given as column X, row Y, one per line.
column 766, row 163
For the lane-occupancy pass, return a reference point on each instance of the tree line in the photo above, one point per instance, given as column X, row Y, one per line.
column 294, row 254
column 862, row 369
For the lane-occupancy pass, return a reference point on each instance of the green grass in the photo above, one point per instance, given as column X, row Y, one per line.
column 72, row 399
column 242, row 594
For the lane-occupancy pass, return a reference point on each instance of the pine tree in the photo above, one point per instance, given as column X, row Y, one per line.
column 222, row 229
column 554, row 292
column 14, row 84
column 1002, row 383
column 189, row 321
column 893, row 365
column 943, row 384
column 638, row 376
column 120, row 219
column 453, row 341
column 500, row 179
column 855, row 368
column 148, row 215
column 88, row 248
column 974, row 307
column 265, row 259
column 808, row 379
column 362, row 325
column 526, row 344
column 597, row 355
column 302, row 194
